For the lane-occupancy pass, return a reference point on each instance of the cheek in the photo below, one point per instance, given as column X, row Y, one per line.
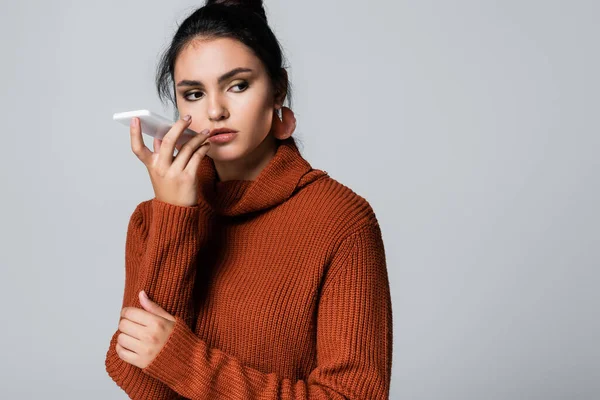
column 185, row 110
column 267, row 121
column 261, row 118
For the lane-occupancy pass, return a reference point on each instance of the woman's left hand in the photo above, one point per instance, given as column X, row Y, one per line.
column 143, row 332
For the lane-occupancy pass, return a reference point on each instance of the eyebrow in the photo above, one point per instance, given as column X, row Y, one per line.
column 233, row 72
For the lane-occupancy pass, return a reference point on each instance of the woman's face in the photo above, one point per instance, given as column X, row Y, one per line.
column 243, row 101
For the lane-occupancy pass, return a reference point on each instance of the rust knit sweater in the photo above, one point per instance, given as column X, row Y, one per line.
column 279, row 288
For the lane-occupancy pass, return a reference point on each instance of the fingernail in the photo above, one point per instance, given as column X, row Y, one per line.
column 187, row 117
column 133, row 122
column 144, row 294
column 205, row 132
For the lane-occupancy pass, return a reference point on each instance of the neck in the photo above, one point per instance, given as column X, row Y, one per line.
column 248, row 167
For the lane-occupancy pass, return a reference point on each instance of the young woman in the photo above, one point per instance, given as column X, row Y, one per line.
column 250, row 274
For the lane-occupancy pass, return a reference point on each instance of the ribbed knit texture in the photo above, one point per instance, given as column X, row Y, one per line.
column 279, row 288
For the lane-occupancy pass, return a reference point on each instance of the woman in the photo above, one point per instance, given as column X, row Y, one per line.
column 250, row 274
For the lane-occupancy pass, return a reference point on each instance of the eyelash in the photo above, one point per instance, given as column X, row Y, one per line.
column 244, row 83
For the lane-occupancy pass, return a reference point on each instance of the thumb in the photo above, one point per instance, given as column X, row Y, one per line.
column 152, row 307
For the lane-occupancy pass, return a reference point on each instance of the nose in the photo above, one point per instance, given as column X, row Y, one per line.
column 217, row 109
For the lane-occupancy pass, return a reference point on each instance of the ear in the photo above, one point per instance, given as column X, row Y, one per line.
column 283, row 129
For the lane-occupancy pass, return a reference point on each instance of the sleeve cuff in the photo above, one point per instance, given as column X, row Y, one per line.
column 172, row 211
column 172, row 365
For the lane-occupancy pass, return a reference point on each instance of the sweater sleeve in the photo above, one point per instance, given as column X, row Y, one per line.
column 354, row 340
column 160, row 257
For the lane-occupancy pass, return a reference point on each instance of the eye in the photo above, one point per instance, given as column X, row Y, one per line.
column 189, row 94
column 243, row 84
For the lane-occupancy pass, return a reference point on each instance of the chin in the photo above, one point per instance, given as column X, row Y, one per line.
column 235, row 150
column 225, row 153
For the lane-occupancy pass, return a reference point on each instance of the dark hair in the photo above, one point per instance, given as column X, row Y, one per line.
column 244, row 20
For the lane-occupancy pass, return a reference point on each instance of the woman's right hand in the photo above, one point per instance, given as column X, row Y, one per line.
column 174, row 178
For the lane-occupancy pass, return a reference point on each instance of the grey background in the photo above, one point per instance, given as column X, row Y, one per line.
column 470, row 126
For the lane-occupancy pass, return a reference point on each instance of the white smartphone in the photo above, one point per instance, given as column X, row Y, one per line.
column 153, row 124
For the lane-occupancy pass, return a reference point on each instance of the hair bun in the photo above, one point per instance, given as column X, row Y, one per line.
column 253, row 5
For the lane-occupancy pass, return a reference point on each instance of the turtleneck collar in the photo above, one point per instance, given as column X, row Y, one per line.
column 286, row 172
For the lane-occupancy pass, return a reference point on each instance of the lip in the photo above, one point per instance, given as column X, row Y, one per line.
column 224, row 137
column 221, row 130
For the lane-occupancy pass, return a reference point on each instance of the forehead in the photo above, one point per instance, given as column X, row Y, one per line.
column 212, row 57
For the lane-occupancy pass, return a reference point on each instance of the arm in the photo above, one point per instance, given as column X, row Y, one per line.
column 160, row 257
column 354, row 340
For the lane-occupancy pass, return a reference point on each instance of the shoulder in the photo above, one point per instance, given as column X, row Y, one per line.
column 341, row 209
column 348, row 221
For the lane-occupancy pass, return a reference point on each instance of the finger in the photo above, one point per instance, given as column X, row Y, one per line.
column 156, row 145
column 131, row 328
column 137, row 315
column 188, row 149
column 167, row 147
column 125, row 355
column 180, row 143
column 194, row 163
column 137, row 143
column 129, row 342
